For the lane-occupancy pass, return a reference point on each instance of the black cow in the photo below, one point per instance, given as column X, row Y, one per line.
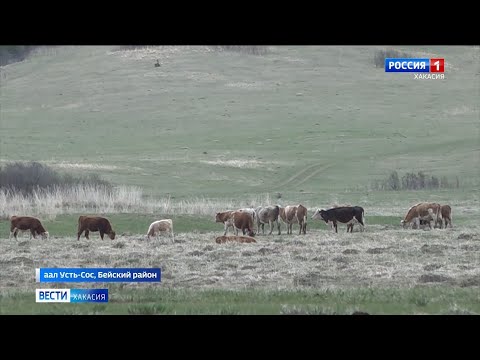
column 345, row 214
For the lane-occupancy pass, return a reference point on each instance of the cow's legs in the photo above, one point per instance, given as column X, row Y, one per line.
column 278, row 226
column 101, row 234
column 270, row 222
column 86, row 234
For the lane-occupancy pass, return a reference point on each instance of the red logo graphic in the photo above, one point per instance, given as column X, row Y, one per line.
column 437, row 65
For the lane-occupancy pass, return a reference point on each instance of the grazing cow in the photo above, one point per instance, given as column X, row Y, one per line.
column 160, row 226
column 24, row 223
column 296, row 214
column 94, row 223
column 240, row 239
column 345, row 215
column 445, row 220
column 250, row 211
column 267, row 215
column 243, row 221
column 422, row 211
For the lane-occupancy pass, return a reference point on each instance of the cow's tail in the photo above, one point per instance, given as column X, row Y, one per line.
column 276, row 213
column 363, row 219
column 80, row 218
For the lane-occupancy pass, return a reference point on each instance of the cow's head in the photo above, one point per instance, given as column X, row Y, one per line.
column 45, row 235
column 218, row 217
column 111, row 235
column 323, row 215
column 404, row 223
column 316, row 215
column 251, row 232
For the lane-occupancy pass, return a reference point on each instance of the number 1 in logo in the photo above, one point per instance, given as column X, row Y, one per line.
column 437, row 65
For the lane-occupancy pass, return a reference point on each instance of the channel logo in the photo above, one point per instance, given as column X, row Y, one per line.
column 71, row 295
column 433, row 65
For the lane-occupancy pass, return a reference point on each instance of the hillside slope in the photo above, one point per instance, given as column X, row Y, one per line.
column 314, row 119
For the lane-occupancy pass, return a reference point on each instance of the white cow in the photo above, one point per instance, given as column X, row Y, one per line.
column 161, row 226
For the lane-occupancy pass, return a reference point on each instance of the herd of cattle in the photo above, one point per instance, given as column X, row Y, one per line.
column 245, row 220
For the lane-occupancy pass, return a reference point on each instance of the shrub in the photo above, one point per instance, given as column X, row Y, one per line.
column 29, row 177
column 412, row 181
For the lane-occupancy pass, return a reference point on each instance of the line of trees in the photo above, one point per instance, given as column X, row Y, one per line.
column 412, row 181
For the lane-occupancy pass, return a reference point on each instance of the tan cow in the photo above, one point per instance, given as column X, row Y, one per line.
column 225, row 217
column 240, row 239
column 422, row 211
column 296, row 214
column 161, row 226
column 24, row 223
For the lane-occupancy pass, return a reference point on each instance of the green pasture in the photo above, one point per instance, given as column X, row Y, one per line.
column 437, row 300
column 300, row 120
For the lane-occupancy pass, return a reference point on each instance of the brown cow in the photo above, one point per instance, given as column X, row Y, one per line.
column 94, row 223
column 422, row 211
column 240, row 239
column 446, row 212
column 296, row 214
column 23, row 223
column 159, row 226
column 226, row 217
column 445, row 220
column 243, row 221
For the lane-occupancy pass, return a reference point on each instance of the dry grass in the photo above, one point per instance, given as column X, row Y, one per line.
column 123, row 199
column 379, row 257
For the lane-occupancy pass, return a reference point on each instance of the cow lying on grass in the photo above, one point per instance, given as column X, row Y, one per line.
column 24, row 223
column 94, row 223
column 241, row 239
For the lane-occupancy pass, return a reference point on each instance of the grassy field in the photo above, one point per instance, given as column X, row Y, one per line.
column 209, row 131
column 383, row 270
